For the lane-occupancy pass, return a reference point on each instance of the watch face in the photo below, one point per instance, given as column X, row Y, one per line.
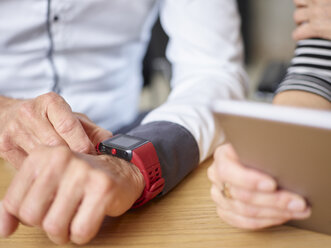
column 125, row 141
column 121, row 146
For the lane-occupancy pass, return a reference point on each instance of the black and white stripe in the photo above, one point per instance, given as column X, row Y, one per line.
column 310, row 69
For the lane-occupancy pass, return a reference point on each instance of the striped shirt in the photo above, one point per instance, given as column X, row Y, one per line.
column 310, row 69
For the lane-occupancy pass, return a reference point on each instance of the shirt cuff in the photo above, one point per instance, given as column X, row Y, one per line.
column 176, row 148
column 318, row 85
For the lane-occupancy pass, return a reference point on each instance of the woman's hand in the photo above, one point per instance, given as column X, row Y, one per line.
column 313, row 18
column 248, row 199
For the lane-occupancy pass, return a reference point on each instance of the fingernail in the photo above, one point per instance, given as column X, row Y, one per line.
column 266, row 185
column 302, row 215
column 296, row 205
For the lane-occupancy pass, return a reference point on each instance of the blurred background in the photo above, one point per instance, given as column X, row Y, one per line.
column 267, row 27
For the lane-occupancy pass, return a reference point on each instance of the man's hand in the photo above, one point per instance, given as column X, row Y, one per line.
column 250, row 199
column 45, row 120
column 313, row 18
column 68, row 194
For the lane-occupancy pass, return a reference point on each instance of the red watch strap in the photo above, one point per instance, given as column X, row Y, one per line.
column 146, row 159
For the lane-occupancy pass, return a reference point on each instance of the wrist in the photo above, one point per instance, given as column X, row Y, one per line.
column 130, row 172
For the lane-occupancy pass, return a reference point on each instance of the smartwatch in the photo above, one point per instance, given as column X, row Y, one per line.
column 142, row 154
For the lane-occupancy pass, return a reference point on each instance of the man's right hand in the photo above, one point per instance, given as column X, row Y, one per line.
column 45, row 120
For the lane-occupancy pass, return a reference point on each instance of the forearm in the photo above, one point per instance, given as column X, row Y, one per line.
column 302, row 99
column 177, row 150
column 310, row 72
column 206, row 67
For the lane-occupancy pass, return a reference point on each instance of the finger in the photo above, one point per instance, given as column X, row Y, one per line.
column 35, row 126
column 229, row 169
column 301, row 3
column 253, row 211
column 94, row 132
column 42, row 192
column 19, row 186
column 301, row 15
column 68, row 126
column 305, row 31
column 92, row 210
column 282, row 200
column 45, row 132
column 247, row 222
column 70, row 193
column 8, row 223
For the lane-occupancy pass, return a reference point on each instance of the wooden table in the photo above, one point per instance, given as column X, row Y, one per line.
column 184, row 218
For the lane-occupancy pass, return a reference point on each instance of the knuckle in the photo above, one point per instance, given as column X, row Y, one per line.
column 80, row 234
column 214, row 194
column 245, row 196
column 10, row 205
column 34, row 157
column 223, row 170
column 249, row 211
column 219, row 152
column 80, row 173
column 59, row 157
column 100, row 182
column 211, row 173
column 282, row 200
column 51, row 98
column 52, row 227
column 27, row 215
column 66, row 125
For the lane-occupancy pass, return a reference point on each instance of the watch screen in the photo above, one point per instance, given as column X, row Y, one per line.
column 126, row 141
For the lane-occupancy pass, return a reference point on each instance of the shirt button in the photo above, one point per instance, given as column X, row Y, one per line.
column 56, row 18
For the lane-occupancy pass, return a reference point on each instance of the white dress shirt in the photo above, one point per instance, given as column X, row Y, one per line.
column 91, row 51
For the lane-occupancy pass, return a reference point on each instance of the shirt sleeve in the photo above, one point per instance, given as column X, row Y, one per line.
column 206, row 53
column 310, row 69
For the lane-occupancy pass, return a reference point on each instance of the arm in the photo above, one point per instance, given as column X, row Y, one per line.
column 255, row 202
column 308, row 80
column 308, row 83
column 46, row 120
column 302, row 99
column 206, row 56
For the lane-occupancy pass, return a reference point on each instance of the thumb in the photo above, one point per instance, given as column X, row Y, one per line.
column 95, row 133
column 8, row 223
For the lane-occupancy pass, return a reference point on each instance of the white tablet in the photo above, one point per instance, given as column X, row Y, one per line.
column 291, row 144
